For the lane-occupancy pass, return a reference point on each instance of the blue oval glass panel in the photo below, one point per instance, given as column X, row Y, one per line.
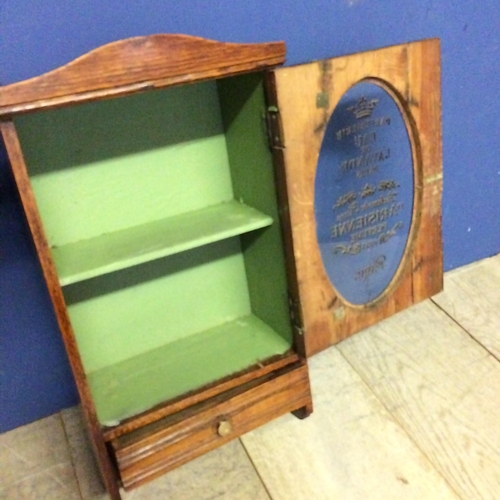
column 363, row 193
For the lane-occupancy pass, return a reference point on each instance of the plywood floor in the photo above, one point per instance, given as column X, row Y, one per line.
column 408, row 409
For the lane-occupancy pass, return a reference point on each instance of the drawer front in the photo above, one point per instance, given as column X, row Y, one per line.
column 150, row 452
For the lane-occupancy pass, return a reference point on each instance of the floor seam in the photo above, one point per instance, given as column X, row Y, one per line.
column 255, row 468
column 401, row 426
column 489, row 351
column 70, row 453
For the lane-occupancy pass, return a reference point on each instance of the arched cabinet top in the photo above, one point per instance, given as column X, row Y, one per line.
column 137, row 64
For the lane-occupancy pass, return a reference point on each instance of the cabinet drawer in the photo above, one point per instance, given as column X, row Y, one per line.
column 152, row 450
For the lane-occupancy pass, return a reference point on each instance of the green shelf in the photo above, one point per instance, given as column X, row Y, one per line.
column 139, row 383
column 128, row 247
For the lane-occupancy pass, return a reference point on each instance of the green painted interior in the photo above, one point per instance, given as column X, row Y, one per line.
column 123, row 314
column 243, row 108
column 128, row 247
column 125, row 162
column 127, row 388
column 160, row 215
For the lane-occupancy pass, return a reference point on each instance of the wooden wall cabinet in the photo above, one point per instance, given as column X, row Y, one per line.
column 169, row 196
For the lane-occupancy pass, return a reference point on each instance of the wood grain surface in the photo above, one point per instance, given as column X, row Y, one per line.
column 350, row 448
column 224, row 473
column 442, row 387
column 472, row 297
column 412, row 72
column 152, row 451
column 137, row 64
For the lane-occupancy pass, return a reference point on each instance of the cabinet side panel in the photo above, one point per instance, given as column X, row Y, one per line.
column 106, row 166
column 243, row 111
column 33, row 217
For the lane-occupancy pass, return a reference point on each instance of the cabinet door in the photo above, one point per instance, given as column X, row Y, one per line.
column 357, row 146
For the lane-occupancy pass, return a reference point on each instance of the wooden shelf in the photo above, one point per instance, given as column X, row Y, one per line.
column 139, row 383
column 121, row 249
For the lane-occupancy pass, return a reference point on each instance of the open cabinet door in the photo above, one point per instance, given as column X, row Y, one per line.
column 357, row 145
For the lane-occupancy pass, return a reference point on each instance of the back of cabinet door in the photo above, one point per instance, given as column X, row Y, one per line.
column 357, row 148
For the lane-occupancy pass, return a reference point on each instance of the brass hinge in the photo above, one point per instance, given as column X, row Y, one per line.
column 274, row 129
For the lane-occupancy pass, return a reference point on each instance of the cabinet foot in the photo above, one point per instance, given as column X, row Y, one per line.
column 303, row 412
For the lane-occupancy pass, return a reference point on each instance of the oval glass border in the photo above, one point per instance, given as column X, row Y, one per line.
column 416, row 158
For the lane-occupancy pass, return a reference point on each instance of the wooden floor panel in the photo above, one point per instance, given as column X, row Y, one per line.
column 442, row 387
column 472, row 298
column 350, row 448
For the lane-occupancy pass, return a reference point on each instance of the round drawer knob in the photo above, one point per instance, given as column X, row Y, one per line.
column 224, row 428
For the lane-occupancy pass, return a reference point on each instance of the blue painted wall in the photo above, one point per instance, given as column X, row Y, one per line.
column 39, row 35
